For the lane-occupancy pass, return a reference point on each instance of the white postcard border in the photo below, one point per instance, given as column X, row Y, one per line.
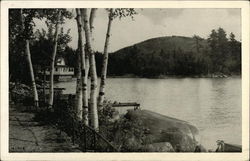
column 5, row 155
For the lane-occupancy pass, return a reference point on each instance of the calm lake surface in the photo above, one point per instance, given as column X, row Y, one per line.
column 212, row 105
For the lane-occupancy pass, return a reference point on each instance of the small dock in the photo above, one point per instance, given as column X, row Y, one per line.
column 123, row 107
column 57, row 91
column 55, row 88
column 127, row 104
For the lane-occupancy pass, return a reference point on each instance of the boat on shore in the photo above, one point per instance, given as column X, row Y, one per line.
column 226, row 147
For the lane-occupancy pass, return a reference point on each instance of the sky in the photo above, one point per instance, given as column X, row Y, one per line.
column 151, row 23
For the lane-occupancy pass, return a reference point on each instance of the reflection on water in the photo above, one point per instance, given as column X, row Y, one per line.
column 213, row 105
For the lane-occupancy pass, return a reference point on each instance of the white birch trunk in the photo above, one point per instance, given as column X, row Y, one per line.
column 28, row 56
column 78, row 97
column 85, row 90
column 52, row 65
column 36, row 104
column 93, row 88
column 91, row 23
column 105, row 63
column 85, row 81
column 84, row 99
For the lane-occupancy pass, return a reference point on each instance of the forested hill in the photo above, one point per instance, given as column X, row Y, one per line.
column 168, row 43
column 177, row 55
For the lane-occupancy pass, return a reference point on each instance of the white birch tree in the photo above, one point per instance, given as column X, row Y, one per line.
column 54, row 17
column 93, row 87
column 28, row 56
column 105, row 61
column 113, row 13
column 52, row 65
column 81, row 107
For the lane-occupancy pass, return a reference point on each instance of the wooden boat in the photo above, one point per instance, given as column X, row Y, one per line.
column 226, row 147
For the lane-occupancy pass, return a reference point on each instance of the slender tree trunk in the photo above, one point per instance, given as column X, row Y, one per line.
column 81, row 61
column 93, row 88
column 28, row 56
column 78, row 98
column 32, row 74
column 44, row 84
column 105, row 63
column 85, row 89
column 85, row 80
column 52, row 65
column 91, row 25
column 91, row 22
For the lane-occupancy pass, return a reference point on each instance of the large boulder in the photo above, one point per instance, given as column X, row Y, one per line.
column 160, row 128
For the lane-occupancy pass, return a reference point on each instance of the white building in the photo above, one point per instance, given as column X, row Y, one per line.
column 62, row 71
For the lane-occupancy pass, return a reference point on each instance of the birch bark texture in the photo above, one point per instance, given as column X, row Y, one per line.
column 93, row 87
column 34, row 89
column 85, row 80
column 91, row 22
column 78, row 97
column 105, row 61
column 28, row 57
column 81, row 97
column 52, row 65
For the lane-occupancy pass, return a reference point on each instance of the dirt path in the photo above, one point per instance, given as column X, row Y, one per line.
column 27, row 135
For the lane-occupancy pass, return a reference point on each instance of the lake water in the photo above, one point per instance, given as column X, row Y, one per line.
column 212, row 105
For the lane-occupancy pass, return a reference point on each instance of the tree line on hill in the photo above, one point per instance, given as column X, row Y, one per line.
column 216, row 55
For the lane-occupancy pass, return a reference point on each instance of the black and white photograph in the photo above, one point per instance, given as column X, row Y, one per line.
column 90, row 80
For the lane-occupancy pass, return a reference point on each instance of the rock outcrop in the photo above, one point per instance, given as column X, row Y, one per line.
column 163, row 129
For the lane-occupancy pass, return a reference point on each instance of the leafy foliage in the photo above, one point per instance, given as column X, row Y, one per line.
column 51, row 15
column 126, row 132
column 40, row 41
column 42, row 46
column 17, row 61
column 122, row 12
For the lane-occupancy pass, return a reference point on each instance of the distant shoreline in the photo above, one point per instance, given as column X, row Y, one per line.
column 215, row 76
column 180, row 76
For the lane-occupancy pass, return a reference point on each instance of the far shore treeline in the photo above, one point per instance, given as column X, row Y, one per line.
column 219, row 54
column 179, row 56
